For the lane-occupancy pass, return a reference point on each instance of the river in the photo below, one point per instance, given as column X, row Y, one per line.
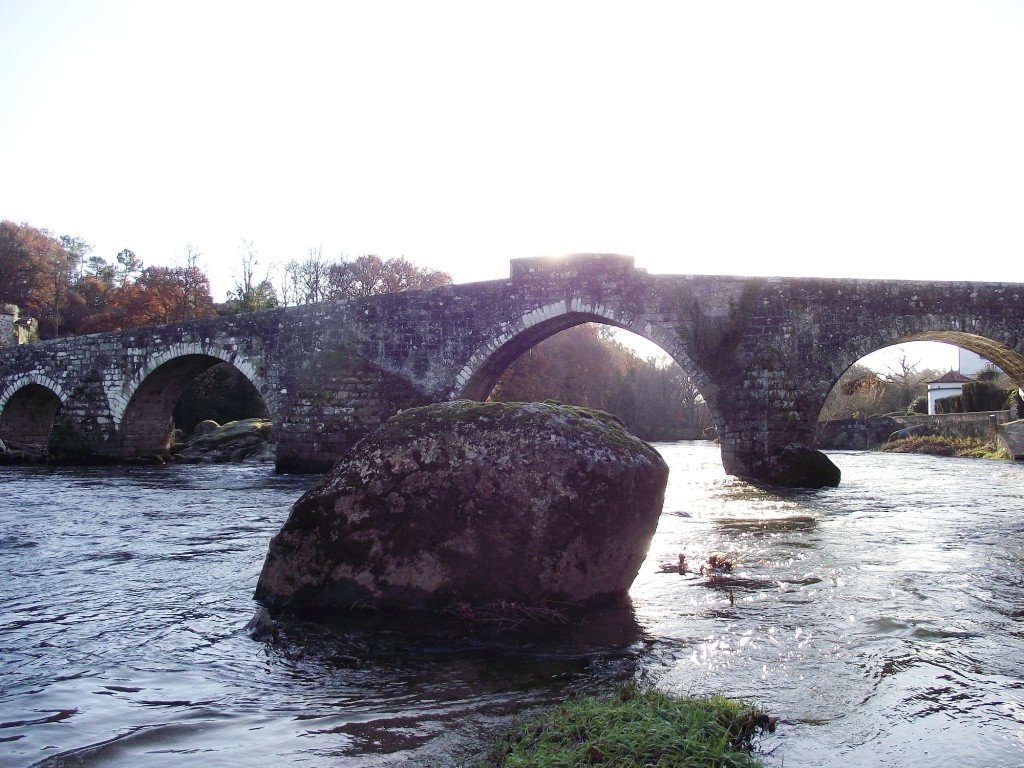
column 881, row 621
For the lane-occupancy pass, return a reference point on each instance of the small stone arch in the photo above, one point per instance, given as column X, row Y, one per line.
column 28, row 408
column 142, row 408
column 31, row 378
column 478, row 376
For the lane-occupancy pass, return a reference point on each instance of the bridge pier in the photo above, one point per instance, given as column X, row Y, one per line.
column 336, row 401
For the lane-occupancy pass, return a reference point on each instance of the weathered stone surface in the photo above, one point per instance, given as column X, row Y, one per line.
column 1011, row 436
column 797, row 466
column 465, row 502
column 242, row 440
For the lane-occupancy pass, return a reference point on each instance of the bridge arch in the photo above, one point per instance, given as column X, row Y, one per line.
column 142, row 408
column 28, row 408
column 1000, row 345
column 489, row 361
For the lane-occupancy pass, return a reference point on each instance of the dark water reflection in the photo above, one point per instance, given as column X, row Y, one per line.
column 882, row 621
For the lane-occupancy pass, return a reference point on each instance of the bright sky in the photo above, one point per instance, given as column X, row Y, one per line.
column 855, row 139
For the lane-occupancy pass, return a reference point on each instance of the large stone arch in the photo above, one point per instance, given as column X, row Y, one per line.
column 996, row 341
column 990, row 338
column 142, row 408
column 486, row 364
column 28, row 408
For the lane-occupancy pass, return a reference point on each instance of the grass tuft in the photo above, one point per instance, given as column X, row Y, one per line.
column 635, row 728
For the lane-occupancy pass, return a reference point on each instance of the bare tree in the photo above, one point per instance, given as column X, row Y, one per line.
column 195, row 284
column 313, row 276
column 249, row 295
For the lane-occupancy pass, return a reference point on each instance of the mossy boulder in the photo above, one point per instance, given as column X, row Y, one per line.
column 473, row 503
column 798, row 466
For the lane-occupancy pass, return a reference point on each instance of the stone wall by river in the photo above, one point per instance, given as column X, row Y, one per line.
column 870, row 433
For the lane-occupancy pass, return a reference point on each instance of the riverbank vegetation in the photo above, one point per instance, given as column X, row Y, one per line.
column 635, row 728
column 944, row 445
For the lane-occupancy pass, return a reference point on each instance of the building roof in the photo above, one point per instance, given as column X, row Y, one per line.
column 953, row 377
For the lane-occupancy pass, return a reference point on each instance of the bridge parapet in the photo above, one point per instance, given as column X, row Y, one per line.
column 574, row 267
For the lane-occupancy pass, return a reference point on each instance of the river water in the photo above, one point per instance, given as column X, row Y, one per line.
column 882, row 622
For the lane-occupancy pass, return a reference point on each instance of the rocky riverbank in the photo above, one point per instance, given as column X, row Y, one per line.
column 243, row 440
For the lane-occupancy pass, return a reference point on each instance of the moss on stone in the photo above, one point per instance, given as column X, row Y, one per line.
column 599, row 425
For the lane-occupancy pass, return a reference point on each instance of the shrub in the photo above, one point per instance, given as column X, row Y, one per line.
column 983, row 396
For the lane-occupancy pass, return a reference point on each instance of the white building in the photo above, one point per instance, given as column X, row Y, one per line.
column 971, row 363
column 947, row 385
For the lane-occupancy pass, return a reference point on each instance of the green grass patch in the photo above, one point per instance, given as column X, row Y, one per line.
column 635, row 729
column 940, row 445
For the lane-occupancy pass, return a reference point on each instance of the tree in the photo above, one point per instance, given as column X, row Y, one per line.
column 861, row 392
column 170, row 295
column 78, row 251
column 371, row 275
column 34, row 273
column 905, row 380
column 70, row 290
column 249, row 295
column 97, row 267
column 88, row 304
column 195, row 287
column 130, row 265
column 60, row 272
column 312, row 277
column 316, row 279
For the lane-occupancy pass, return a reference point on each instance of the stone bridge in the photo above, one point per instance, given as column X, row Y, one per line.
column 764, row 353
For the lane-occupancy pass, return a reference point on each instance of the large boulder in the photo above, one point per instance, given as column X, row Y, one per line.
column 798, row 466
column 468, row 503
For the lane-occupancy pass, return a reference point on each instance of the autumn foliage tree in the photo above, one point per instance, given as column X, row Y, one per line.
column 35, row 273
column 158, row 296
column 69, row 291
